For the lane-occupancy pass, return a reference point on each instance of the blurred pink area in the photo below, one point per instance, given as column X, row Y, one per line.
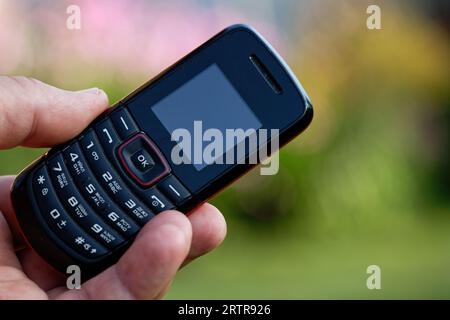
column 13, row 46
column 121, row 36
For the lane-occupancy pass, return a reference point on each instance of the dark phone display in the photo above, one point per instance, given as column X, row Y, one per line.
column 208, row 97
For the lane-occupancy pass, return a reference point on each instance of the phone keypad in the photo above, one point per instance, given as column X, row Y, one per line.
column 111, row 182
column 87, row 195
column 77, row 206
column 59, row 221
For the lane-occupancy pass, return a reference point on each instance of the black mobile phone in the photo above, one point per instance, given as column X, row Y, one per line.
column 83, row 202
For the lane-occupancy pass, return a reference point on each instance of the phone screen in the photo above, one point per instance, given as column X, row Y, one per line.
column 208, row 97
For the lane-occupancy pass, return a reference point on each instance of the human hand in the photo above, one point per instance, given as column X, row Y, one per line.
column 34, row 114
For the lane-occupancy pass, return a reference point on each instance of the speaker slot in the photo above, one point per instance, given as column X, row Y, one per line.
column 264, row 72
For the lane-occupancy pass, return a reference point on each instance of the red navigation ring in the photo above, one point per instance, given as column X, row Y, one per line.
column 156, row 151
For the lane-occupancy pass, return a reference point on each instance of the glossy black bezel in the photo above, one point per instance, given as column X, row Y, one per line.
column 231, row 52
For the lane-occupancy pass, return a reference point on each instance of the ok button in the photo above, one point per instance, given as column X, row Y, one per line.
column 142, row 160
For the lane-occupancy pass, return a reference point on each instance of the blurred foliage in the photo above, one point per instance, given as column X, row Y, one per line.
column 367, row 183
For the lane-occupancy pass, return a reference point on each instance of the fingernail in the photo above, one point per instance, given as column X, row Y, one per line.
column 90, row 91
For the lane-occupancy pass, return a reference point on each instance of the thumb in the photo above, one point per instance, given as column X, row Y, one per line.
column 36, row 114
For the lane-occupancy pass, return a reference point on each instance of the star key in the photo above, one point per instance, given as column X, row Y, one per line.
column 79, row 240
column 41, row 179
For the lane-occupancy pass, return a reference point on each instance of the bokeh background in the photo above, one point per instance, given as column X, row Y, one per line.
column 367, row 183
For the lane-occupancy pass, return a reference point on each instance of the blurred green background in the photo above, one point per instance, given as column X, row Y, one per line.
column 367, row 183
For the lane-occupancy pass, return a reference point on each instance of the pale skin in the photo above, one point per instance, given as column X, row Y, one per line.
column 34, row 114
